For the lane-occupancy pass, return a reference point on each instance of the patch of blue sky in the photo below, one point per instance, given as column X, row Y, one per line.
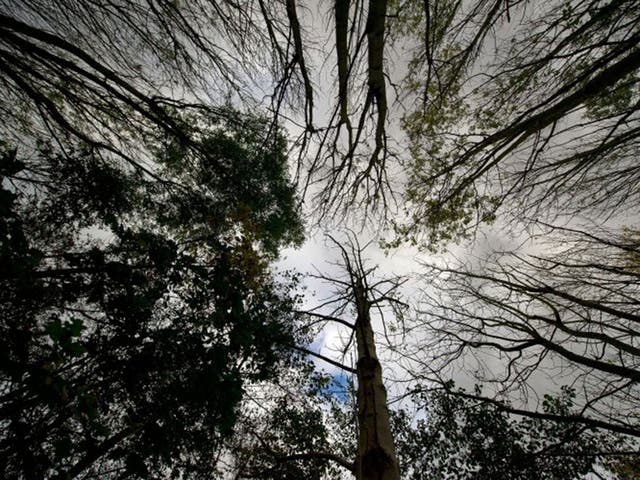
column 339, row 387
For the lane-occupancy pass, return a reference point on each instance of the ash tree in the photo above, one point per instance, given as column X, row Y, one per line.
column 521, row 111
column 121, row 76
column 312, row 424
column 301, row 427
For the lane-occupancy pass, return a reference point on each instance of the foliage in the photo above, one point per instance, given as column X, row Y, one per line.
column 238, row 177
column 526, row 115
column 285, row 431
column 519, row 110
column 461, row 438
column 133, row 311
column 140, row 212
column 118, row 76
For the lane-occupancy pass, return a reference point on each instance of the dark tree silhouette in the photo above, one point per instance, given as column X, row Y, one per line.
column 466, row 439
column 132, row 316
column 568, row 316
column 521, row 112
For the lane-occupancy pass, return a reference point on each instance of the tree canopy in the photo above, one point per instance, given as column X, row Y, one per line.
column 463, row 438
column 570, row 315
column 133, row 313
column 522, row 110
column 156, row 157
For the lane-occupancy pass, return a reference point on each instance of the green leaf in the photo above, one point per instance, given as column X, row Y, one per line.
column 55, row 330
column 76, row 327
column 62, row 448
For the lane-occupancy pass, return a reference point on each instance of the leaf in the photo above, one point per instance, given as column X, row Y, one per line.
column 76, row 327
column 135, row 465
column 62, row 448
column 55, row 330
column 77, row 349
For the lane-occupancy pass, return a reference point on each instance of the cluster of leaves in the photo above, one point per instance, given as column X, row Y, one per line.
column 133, row 311
column 242, row 167
column 285, row 432
column 461, row 438
column 518, row 110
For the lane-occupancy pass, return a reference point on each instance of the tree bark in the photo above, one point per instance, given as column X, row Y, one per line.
column 376, row 458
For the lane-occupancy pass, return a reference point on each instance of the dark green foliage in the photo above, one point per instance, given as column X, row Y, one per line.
column 240, row 167
column 133, row 311
column 285, row 434
column 465, row 439
column 297, row 430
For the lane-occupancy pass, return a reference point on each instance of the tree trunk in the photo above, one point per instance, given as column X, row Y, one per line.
column 376, row 458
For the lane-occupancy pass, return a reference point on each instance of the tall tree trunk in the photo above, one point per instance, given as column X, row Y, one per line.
column 376, row 458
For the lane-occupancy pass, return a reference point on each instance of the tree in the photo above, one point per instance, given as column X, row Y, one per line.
column 133, row 315
column 120, row 77
column 376, row 456
column 542, row 119
column 527, row 116
column 285, row 429
column 295, row 433
column 520, row 111
column 118, row 90
column 351, row 162
column 466, row 439
column 307, row 424
column 565, row 71
column 567, row 316
column 299, row 427
column 141, row 218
